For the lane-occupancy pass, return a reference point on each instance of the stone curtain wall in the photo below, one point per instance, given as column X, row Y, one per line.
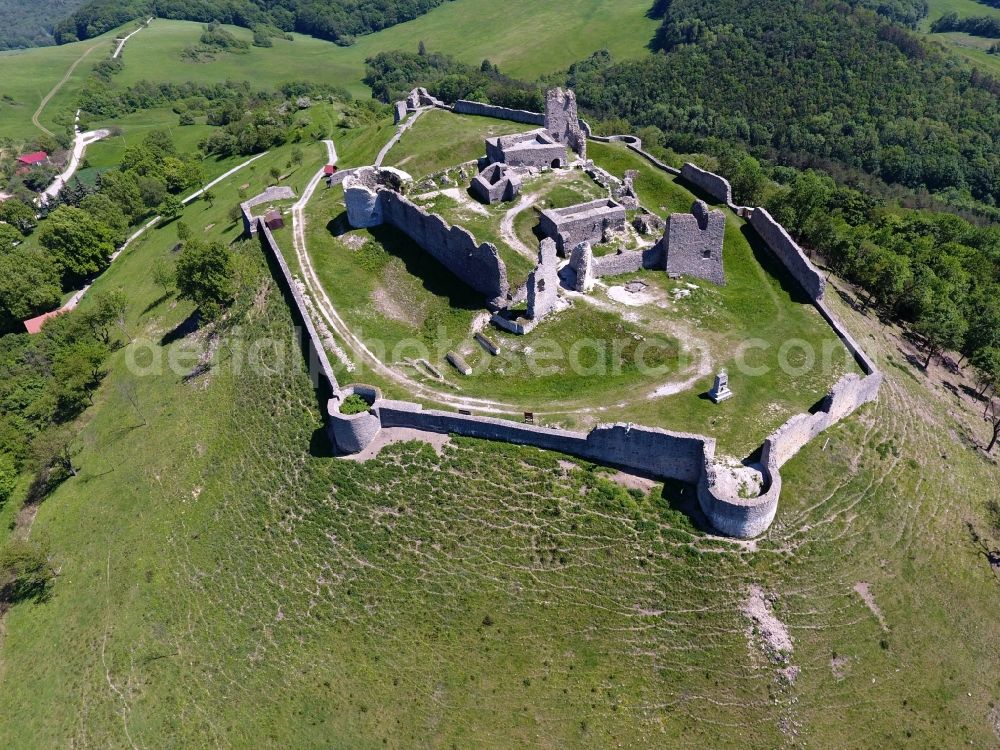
column 715, row 186
column 789, row 253
column 479, row 266
column 318, row 362
column 663, row 454
column 464, row 107
column 670, row 455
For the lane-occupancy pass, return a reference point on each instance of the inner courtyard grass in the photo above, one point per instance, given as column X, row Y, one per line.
column 439, row 139
column 781, row 355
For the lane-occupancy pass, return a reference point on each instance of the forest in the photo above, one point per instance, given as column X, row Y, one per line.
column 338, row 21
column 24, row 24
column 807, row 83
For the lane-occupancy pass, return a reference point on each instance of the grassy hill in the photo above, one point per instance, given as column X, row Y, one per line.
column 225, row 582
column 560, row 34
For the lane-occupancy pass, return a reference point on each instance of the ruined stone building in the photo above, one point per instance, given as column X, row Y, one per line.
column 536, row 148
column 496, row 183
column 585, row 222
column 373, row 196
column 693, row 244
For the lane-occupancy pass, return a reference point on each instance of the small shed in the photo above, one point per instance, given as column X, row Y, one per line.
column 330, row 169
column 273, row 219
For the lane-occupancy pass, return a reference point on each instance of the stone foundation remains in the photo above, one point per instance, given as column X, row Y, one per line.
column 584, row 222
column 496, row 183
column 536, row 148
column 372, row 198
column 693, row 244
column 270, row 195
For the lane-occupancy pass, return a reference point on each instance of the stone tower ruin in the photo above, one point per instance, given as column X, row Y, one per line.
column 562, row 120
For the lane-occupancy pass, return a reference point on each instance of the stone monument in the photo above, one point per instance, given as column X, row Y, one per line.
column 720, row 390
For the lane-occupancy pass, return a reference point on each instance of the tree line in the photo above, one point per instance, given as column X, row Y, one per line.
column 338, row 21
column 986, row 26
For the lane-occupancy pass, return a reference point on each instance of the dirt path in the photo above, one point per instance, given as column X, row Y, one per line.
column 507, row 226
column 55, row 90
column 325, row 308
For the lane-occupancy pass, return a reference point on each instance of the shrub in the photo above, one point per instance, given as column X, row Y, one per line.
column 25, row 572
column 354, row 404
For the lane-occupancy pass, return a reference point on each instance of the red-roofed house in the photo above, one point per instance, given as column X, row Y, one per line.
column 34, row 325
column 329, row 169
column 30, row 160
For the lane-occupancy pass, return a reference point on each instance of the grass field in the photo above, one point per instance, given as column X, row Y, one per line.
column 224, row 582
column 29, row 75
column 971, row 48
column 561, row 34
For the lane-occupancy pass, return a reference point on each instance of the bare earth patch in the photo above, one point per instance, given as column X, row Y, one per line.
column 772, row 632
column 390, row 435
column 864, row 591
column 838, row 665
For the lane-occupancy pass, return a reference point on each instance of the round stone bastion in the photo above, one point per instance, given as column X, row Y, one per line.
column 352, row 433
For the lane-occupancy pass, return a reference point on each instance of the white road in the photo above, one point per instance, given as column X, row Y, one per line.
column 79, row 149
column 75, row 299
column 121, row 44
column 82, row 139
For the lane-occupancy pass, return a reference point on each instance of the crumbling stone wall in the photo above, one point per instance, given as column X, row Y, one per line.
column 694, row 243
column 464, row 107
column 274, row 193
column 562, row 120
column 497, row 182
column 789, row 253
column 478, row 265
column 320, row 372
column 847, row 395
column 543, row 282
column 716, row 186
column 587, row 267
column 671, row 455
column 371, row 200
column 584, row 222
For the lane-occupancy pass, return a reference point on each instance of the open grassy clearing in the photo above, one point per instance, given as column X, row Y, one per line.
column 560, row 34
column 28, row 75
column 225, row 582
column 440, row 139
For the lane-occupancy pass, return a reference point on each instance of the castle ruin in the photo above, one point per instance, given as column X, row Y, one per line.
column 691, row 245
